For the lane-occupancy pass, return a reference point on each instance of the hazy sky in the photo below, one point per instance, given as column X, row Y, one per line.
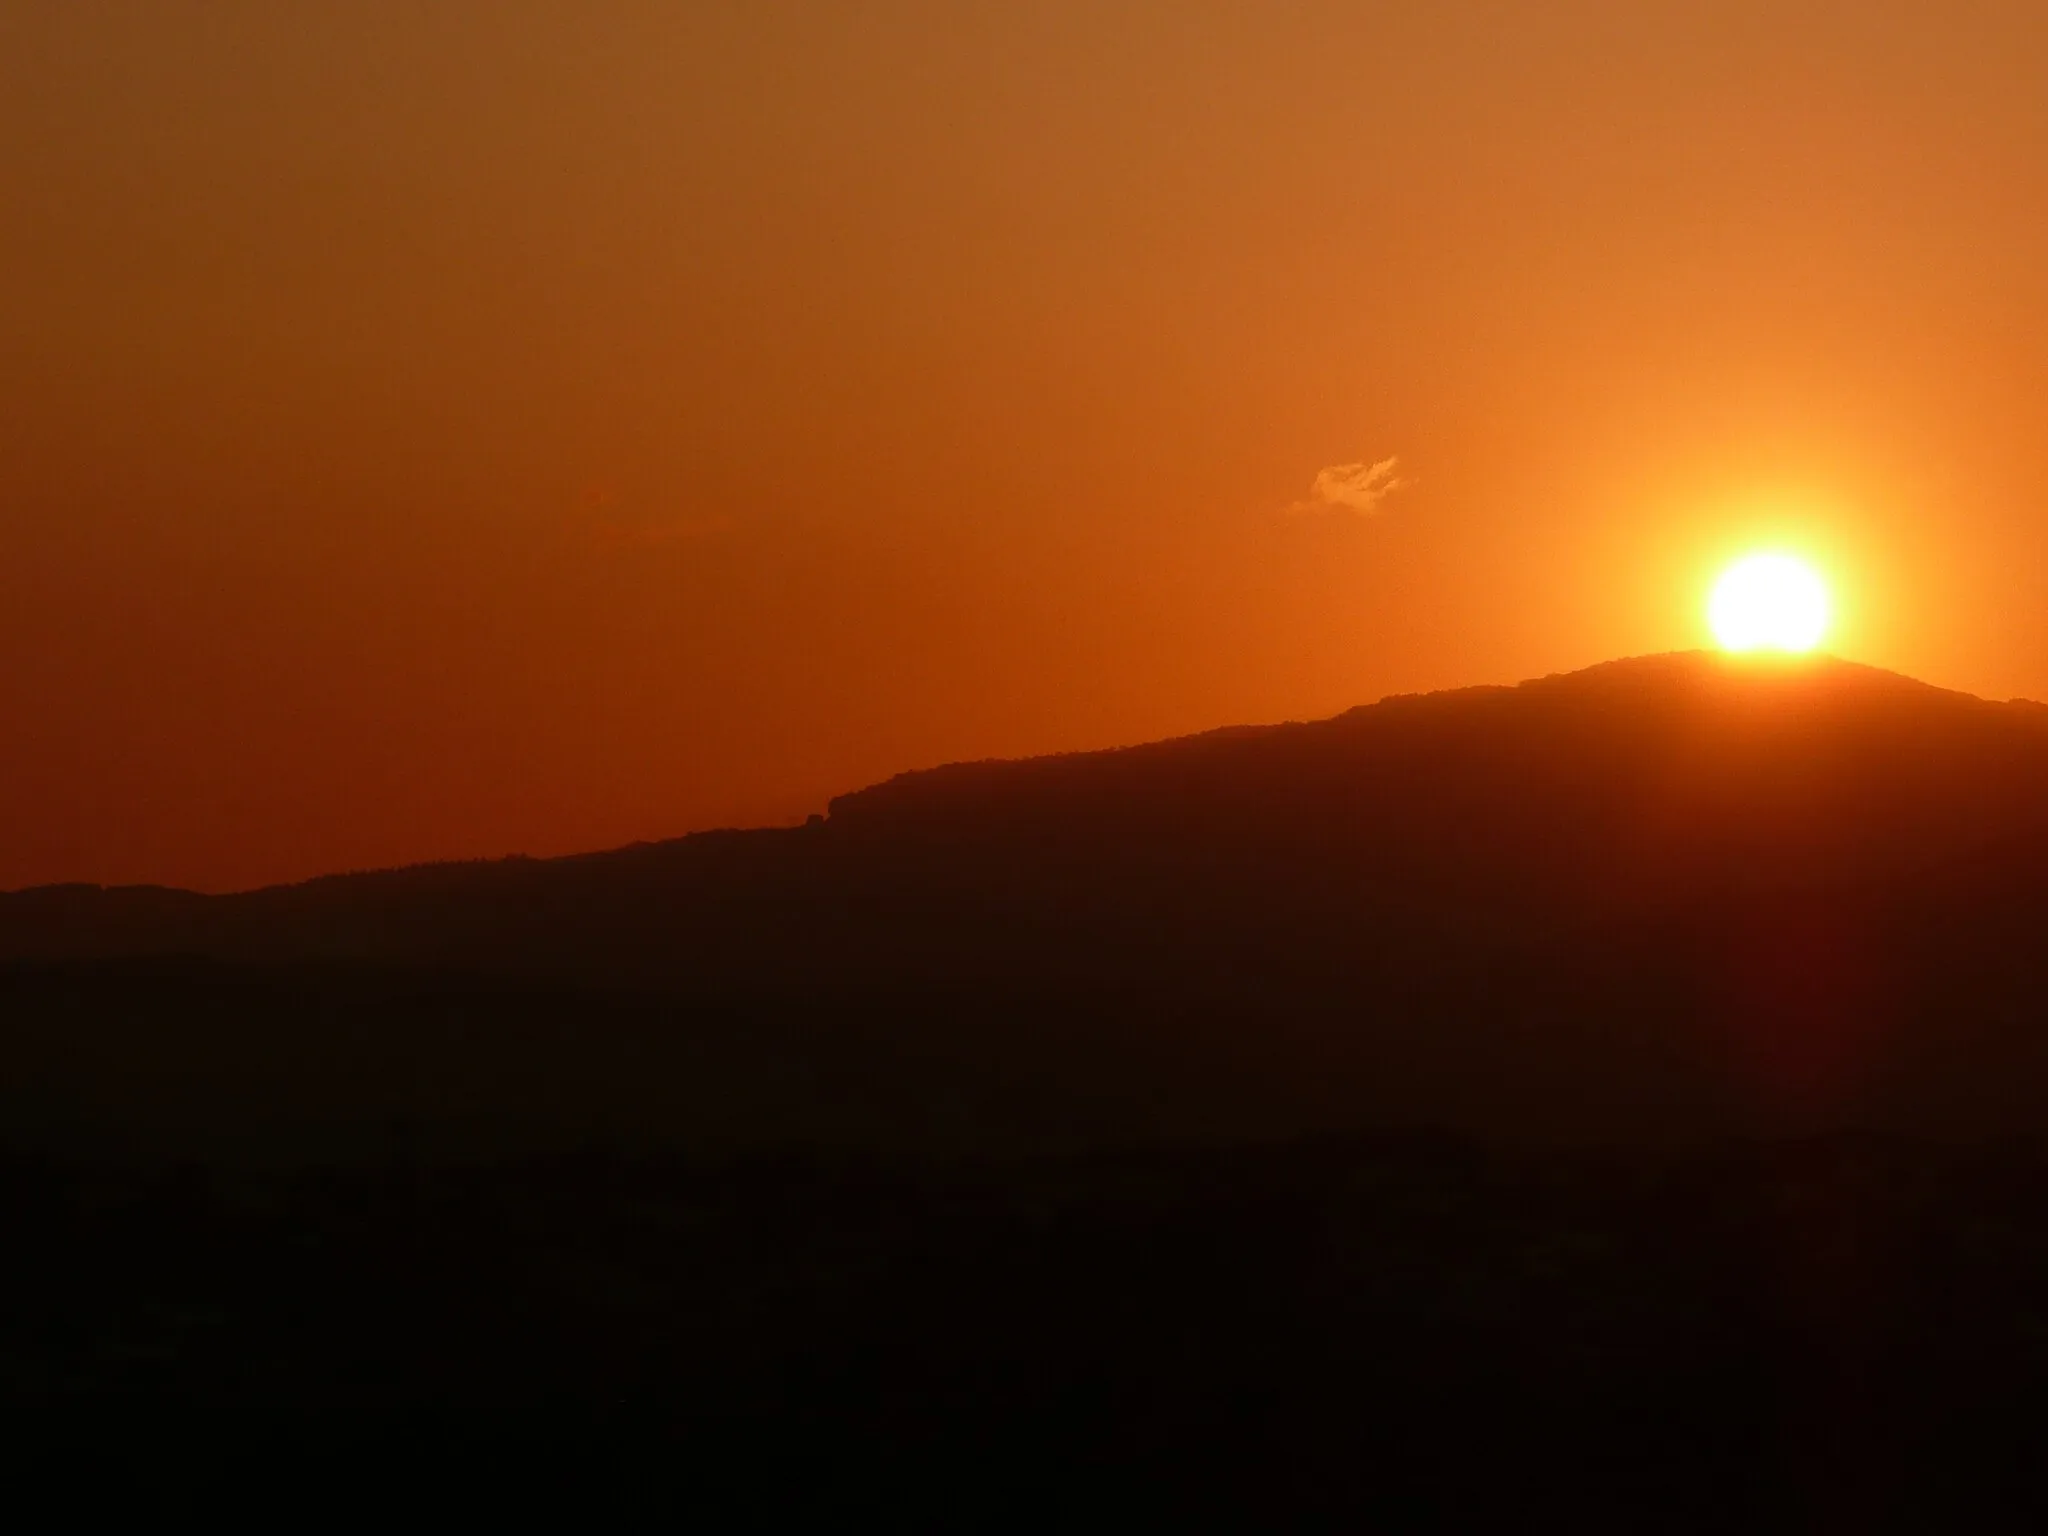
column 447, row 429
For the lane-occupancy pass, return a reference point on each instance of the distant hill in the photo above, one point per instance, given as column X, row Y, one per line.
column 1668, row 895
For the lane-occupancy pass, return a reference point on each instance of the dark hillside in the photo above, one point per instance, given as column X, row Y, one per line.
column 1459, row 1107
column 1675, row 892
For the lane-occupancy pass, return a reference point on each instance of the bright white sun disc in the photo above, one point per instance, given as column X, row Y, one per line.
column 1769, row 603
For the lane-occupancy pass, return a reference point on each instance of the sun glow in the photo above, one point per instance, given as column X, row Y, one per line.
column 1769, row 603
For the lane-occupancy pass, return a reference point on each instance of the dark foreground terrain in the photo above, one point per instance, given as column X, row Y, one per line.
column 1618, row 1100
column 1423, row 1332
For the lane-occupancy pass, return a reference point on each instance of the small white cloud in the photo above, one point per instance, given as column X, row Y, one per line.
column 1358, row 488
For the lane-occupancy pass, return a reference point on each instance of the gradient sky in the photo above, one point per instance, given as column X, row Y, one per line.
column 455, row 429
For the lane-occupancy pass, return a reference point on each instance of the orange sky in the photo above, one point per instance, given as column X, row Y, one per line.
column 445, row 430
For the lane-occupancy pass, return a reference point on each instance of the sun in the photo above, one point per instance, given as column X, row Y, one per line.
column 1769, row 602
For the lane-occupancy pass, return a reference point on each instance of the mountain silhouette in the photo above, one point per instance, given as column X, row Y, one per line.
column 1621, row 1093
column 1671, row 895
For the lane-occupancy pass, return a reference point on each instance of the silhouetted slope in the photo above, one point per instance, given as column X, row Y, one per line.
column 1674, row 891
column 1658, row 780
